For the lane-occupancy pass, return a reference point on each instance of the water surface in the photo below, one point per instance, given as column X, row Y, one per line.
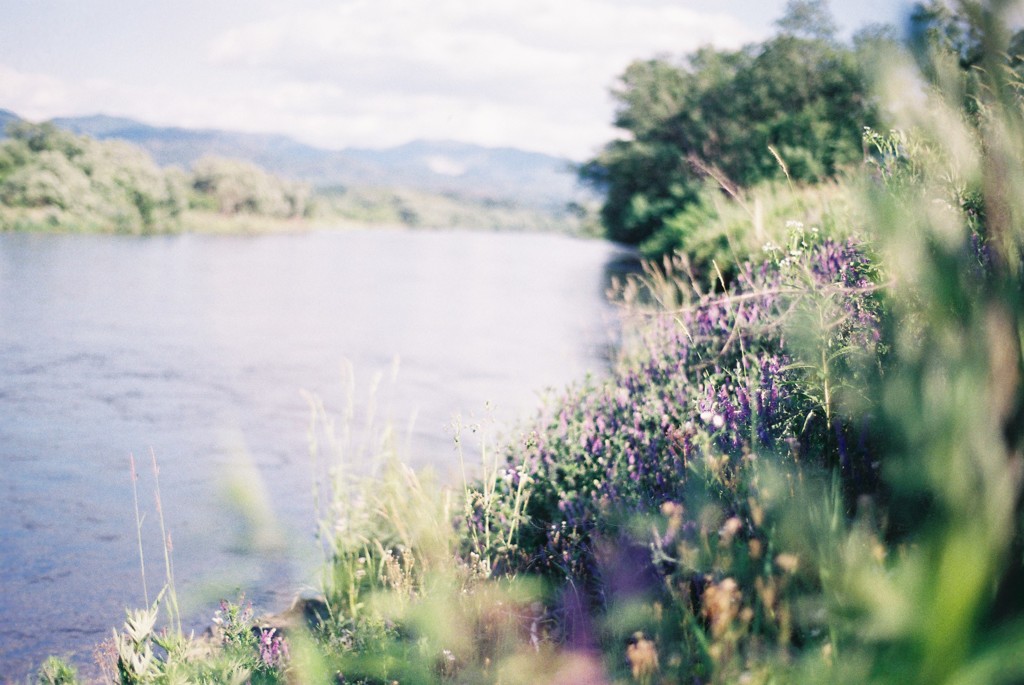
column 197, row 349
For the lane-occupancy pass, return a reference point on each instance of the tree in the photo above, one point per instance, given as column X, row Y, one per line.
column 50, row 177
column 236, row 187
column 799, row 97
column 809, row 19
column 46, row 136
column 48, row 180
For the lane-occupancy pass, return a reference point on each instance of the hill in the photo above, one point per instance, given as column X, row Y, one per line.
column 7, row 117
column 474, row 172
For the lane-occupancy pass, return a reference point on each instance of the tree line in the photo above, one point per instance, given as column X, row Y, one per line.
column 54, row 179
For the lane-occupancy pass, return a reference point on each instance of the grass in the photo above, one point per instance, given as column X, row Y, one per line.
column 728, row 225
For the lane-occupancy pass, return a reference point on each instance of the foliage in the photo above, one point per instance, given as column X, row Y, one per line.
column 912, row 580
column 54, row 178
column 405, row 599
column 56, row 671
column 719, row 231
column 690, row 437
column 415, row 209
column 235, row 187
column 51, row 179
column 239, row 652
column 958, row 45
column 952, row 408
column 790, row 107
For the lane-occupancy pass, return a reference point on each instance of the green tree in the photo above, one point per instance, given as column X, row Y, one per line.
column 794, row 105
column 236, row 187
column 46, row 136
column 47, row 179
column 53, row 179
column 808, row 19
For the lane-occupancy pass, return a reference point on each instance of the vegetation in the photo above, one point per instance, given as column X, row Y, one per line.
column 417, row 209
column 723, row 128
column 807, row 472
column 51, row 179
column 54, row 180
column 791, row 108
column 234, row 187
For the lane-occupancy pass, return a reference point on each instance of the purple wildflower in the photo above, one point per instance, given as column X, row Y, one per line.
column 273, row 649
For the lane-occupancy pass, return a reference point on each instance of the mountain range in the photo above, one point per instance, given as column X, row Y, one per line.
column 528, row 179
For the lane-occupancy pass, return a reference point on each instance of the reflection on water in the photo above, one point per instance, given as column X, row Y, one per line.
column 198, row 347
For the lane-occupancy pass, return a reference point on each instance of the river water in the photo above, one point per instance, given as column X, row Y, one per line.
column 197, row 350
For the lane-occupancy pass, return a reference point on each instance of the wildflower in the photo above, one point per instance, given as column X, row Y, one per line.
column 721, row 605
column 273, row 648
column 787, row 562
column 643, row 657
column 729, row 530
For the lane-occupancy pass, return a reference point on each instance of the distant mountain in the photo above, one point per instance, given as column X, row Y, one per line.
column 7, row 117
column 461, row 169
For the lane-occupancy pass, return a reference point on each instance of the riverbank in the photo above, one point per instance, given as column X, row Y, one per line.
column 376, row 209
column 521, row 573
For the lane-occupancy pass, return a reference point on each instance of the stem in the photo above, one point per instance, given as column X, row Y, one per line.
column 138, row 526
column 827, row 390
column 174, row 614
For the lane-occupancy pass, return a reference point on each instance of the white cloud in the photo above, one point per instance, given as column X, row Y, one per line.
column 483, row 65
column 526, row 73
column 40, row 96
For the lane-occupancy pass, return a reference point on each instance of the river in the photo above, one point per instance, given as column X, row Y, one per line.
column 201, row 351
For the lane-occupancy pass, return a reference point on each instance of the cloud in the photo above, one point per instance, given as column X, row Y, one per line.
column 494, row 49
column 527, row 73
column 552, row 62
column 38, row 96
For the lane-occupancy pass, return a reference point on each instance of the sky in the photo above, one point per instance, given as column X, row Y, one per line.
column 532, row 74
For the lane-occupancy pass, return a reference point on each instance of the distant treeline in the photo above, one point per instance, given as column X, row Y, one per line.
column 51, row 179
column 55, row 180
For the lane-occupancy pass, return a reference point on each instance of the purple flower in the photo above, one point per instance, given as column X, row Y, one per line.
column 273, row 648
